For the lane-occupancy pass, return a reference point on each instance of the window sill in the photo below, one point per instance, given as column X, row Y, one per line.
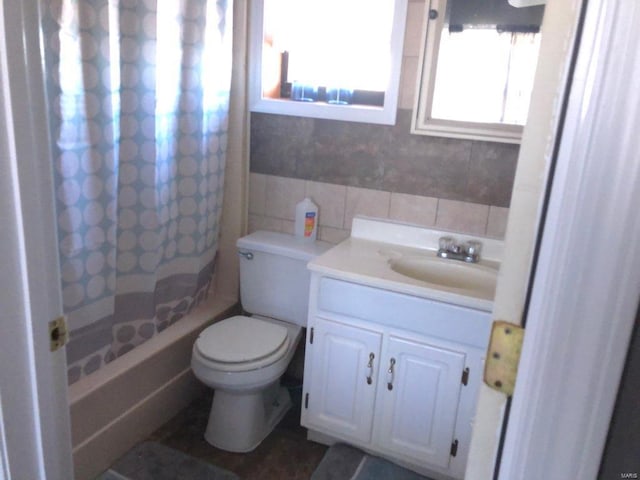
column 487, row 132
column 348, row 113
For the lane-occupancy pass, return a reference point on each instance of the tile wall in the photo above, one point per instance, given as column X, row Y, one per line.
column 273, row 199
column 383, row 157
column 382, row 171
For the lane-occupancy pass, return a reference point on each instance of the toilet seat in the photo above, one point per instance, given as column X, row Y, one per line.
column 242, row 343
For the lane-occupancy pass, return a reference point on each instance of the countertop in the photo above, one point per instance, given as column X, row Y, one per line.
column 359, row 259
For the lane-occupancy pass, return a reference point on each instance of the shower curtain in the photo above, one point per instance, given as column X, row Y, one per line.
column 139, row 97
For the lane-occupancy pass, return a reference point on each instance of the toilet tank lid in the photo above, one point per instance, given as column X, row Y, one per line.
column 283, row 244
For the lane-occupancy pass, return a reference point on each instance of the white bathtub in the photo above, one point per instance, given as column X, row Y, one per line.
column 127, row 399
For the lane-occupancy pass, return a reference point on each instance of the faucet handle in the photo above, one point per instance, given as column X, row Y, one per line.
column 473, row 248
column 445, row 243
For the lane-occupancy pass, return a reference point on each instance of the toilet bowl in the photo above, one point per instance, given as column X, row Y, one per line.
column 243, row 357
column 248, row 401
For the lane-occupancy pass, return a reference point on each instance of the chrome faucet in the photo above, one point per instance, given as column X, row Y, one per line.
column 467, row 252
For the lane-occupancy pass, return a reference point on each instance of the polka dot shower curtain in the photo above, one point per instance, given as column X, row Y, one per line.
column 139, row 96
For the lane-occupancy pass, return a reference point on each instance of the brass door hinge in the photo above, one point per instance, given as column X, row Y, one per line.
column 58, row 333
column 503, row 356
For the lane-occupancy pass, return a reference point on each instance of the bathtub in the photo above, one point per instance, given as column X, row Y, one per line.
column 126, row 400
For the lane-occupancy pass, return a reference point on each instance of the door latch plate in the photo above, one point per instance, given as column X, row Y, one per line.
column 503, row 356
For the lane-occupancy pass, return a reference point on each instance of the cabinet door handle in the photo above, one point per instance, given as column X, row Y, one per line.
column 370, row 367
column 392, row 363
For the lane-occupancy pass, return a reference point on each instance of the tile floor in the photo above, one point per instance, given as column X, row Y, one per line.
column 285, row 454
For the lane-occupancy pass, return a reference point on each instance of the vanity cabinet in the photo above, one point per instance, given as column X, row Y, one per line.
column 345, row 358
column 394, row 374
column 418, row 392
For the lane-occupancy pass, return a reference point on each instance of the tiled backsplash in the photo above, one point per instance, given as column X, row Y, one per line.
column 273, row 199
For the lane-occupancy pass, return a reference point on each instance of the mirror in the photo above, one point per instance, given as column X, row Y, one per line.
column 478, row 63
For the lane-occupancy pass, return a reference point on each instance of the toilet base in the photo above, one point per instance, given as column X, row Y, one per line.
column 238, row 422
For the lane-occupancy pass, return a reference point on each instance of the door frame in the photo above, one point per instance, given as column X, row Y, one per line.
column 34, row 412
column 560, row 37
column 586, row 287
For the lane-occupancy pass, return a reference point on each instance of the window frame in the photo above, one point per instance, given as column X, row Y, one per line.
column 384, row 115
column 422, row 122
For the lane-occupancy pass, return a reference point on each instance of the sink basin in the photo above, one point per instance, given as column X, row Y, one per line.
column 452, row 274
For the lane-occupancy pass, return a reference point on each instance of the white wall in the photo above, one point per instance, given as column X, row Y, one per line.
column 234, row 208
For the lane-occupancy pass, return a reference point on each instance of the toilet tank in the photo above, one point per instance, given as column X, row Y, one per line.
column 274, row 279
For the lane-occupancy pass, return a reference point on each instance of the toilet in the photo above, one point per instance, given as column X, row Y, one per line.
column 243, row 357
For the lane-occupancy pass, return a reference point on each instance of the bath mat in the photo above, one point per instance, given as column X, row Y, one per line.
column 342, row 462
column 111, row 475
column 154, row 461
column 375, row 468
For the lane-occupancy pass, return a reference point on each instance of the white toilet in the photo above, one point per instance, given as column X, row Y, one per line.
column 242, row 357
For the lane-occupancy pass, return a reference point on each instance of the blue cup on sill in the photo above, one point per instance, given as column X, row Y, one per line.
column 339, row 96
column 303, row 92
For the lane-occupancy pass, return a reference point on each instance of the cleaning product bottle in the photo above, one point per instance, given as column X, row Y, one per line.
column 306, row 226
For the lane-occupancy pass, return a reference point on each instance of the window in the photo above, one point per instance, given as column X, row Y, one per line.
column 478, row 67
column 501, row 82
column 337, row 59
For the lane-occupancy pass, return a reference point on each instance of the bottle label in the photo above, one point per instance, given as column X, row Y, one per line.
column 309, row 223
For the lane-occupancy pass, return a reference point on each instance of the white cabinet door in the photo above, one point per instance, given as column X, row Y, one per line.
column 419, row 399
column 341, row 388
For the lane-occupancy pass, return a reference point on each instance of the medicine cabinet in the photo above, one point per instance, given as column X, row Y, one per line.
column 476, row 72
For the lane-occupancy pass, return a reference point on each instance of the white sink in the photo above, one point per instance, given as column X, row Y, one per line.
column 401, row 258
column 474, row 278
